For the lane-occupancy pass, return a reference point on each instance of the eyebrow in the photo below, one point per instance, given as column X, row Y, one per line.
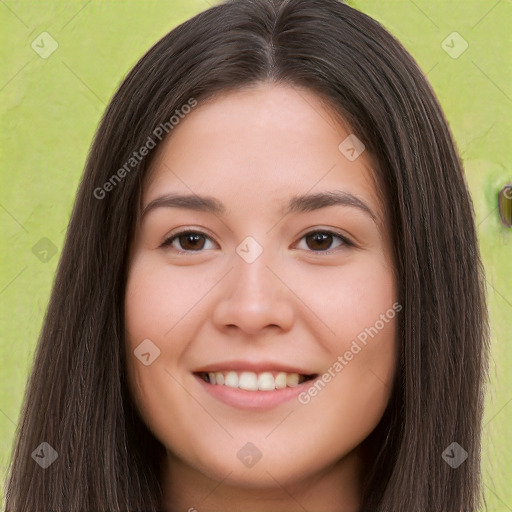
column 297, row 204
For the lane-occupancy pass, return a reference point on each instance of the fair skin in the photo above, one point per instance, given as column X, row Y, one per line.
column 292, row 309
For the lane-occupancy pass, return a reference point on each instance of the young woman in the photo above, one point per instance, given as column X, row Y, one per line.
column 270, row 296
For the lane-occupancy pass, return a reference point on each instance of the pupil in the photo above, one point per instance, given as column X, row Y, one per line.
column 319, row 241
column 191, row 239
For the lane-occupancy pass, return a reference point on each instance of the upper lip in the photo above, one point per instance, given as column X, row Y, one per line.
column 252, row 366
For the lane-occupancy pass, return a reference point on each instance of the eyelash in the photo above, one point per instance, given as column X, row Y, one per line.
column 345, row 241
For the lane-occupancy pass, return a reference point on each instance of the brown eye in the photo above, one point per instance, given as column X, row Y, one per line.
column 191, row 241
column 319, row 241
column 188, row 241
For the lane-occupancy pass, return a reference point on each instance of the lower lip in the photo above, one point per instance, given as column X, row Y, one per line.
column 253, row 400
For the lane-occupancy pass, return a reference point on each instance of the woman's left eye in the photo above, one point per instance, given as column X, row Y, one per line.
column 195, row 241
column 321, row 241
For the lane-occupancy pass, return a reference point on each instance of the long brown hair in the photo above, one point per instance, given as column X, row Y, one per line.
column 77, row 400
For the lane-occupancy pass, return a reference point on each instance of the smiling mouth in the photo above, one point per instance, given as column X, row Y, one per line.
column 255, row 381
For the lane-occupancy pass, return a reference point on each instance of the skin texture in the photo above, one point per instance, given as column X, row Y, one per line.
column 254, row 149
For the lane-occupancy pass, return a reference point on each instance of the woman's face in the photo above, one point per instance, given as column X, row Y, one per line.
column 288, row 270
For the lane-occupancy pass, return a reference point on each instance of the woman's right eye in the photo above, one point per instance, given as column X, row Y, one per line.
column 188, row 241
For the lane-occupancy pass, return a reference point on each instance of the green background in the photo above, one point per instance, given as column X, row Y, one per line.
column 51, row 108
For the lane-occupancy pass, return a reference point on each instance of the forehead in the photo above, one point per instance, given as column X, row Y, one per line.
column 259, row 145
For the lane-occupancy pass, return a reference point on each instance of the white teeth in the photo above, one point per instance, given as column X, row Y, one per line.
column 292, row 380
column 280, row 380
column 266, row 382
column 248, row 381
column 231, row 380
column 252, row 381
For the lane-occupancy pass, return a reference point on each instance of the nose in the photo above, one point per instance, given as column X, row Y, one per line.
column 253, row 298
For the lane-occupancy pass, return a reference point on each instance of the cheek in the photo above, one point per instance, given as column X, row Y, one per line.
column 350, row 298
column 352, row 394
column 148, row 303
column 154, row 305
column 150, row 313
column 358, row 303
column 159, row 297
